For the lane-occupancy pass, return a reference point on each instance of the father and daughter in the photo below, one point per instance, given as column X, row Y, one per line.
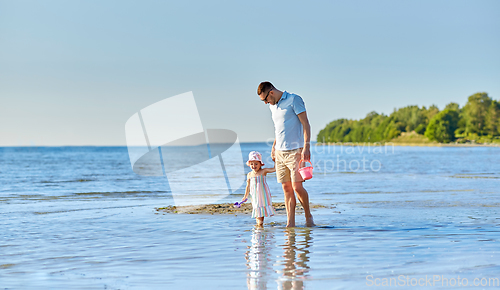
column 291, row 145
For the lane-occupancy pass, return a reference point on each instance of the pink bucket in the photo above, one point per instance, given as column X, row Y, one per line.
column 306, row 172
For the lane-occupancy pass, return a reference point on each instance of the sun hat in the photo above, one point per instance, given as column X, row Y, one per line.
column 255, row 156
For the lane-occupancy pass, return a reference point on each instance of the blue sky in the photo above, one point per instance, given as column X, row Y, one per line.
column 73, row 72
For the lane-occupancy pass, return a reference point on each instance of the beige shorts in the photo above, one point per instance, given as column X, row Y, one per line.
column 287, row 165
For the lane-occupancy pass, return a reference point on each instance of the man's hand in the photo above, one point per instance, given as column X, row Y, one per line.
column 273, row 157
column 306, row 154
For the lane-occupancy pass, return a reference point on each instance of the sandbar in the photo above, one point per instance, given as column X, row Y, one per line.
column 228, row 208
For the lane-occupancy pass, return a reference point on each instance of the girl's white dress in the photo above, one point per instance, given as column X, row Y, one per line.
column 261, row 197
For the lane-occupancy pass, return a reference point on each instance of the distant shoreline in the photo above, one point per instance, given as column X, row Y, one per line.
column 407, row 144
column 376, row 144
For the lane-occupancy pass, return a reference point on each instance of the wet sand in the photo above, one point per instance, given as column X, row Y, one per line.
column 228, row 208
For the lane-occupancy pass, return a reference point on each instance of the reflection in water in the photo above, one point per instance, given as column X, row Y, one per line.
column 292, row 264
column 296, row 258
column 258, row 258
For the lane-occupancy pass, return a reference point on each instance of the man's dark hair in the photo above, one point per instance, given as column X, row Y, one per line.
column 264, row 87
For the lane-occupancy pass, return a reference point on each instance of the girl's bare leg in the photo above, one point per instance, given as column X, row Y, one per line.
column 260, row 221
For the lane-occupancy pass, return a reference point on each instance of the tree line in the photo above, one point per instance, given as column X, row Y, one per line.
column 477, row 121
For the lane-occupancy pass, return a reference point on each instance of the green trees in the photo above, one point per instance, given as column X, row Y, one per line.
column 479, row 119
column 378, row 127
column 442, row 126
column 481, row 116
column 492, row 119
column 475, row 113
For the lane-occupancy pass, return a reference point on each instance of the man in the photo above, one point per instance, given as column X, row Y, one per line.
column 291, row 144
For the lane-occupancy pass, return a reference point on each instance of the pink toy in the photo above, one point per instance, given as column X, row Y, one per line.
column 306, row 172
column 238, row 204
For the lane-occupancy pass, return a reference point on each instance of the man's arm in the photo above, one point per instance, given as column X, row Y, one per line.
column 306, row 151
column 272, row 151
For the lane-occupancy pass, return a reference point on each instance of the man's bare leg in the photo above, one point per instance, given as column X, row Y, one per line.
column 290, row 203
column 303, row 197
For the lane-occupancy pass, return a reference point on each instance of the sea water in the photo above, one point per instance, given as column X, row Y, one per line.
column 417, row 217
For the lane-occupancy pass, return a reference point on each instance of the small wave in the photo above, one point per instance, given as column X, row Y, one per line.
column 79, row 180
column 396, row 192
column 474, row 176
column 356, row 192
column 34, row 197
column 62, row 181
column 120, row 192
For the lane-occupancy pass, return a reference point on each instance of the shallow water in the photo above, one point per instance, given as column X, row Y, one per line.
column 78, row 217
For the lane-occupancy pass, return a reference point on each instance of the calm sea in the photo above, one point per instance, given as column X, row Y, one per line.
column 418, row 217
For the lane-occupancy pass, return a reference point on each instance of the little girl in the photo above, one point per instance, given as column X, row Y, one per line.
column 258, row 189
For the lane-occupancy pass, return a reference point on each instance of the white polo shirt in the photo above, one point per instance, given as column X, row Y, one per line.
column 287, row 127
